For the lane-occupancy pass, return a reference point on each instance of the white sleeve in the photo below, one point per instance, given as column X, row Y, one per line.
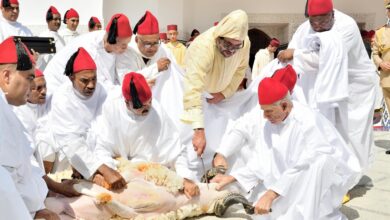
column 150, row 72
column 306, row 61
column 233, row 140
column 11, row 203
column 80, row 156
column 126, row 63
column 104, row 141
column 182, row 167
column 246, row 177
column 231, row 143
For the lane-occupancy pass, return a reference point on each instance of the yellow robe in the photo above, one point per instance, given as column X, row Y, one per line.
column 207, row 70
column 380, row 53
column 179, row 51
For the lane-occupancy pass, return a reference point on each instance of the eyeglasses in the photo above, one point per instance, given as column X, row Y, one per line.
column 148, row 45
column 229, row 46
column 10, row 8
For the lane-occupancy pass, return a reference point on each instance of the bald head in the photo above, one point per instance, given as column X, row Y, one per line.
column 15, row 84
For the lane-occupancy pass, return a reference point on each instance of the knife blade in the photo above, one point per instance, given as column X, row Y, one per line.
column 204, row 171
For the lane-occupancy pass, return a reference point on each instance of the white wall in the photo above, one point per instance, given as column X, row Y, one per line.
column 166, row 11
column 33, row 12
column 202, row 13
column 188, row 14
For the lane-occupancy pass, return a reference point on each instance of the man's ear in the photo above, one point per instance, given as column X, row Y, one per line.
column 72, row 78
column 6, row 75
column 128, row 104
column 136, row 39
column 284, row 106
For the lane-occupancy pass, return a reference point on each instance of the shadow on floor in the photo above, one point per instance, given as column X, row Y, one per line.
column 349, row 212
column 364, row 185
column 385, row 144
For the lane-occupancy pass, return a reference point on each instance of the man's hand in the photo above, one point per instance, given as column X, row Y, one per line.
column 112, row 177
column 217, row 97
column 35, row 55
column 46, row 214
column 151, row 82
column 190, row 188
column 199, row 141
column 286, row 55
column 163, row 64
column 222, row 180
column 220, row 160
column 385, row 65
column 263, row 206
column 66, row 188
column 76, row 174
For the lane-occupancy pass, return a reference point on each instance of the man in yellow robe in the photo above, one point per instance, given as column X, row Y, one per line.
column 215, row 63
column 178, row 49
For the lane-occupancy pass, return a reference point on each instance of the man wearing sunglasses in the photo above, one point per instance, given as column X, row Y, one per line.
column 215, row 63
column 8, row 21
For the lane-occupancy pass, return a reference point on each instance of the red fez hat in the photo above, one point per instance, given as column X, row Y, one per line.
column 79, row 61
column 119, row 26
column 71, row 13
column 95, row 19
column 319, row 7
column 136, row 89
column 371, row 34
column 172, row 27
column 163, row 36
column 271, row 91
column 38, row 73
column 216, row 23
column 7, row 3
column 148, row 25
column 53, row 10
column 286, row 76
column 13, row 51
column 274, row 42
column 83, row 61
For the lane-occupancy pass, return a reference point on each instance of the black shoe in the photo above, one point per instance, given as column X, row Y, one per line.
column 388, row 152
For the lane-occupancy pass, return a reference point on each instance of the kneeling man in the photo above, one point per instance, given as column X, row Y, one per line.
column 302, row 164
column 133, row 128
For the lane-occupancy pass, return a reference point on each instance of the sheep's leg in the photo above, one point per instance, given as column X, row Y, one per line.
column 107, row 199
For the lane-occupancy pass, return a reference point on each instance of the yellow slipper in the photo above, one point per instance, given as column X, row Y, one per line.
column 346, row 198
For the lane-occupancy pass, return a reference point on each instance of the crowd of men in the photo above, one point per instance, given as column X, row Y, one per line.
column 294, row 140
